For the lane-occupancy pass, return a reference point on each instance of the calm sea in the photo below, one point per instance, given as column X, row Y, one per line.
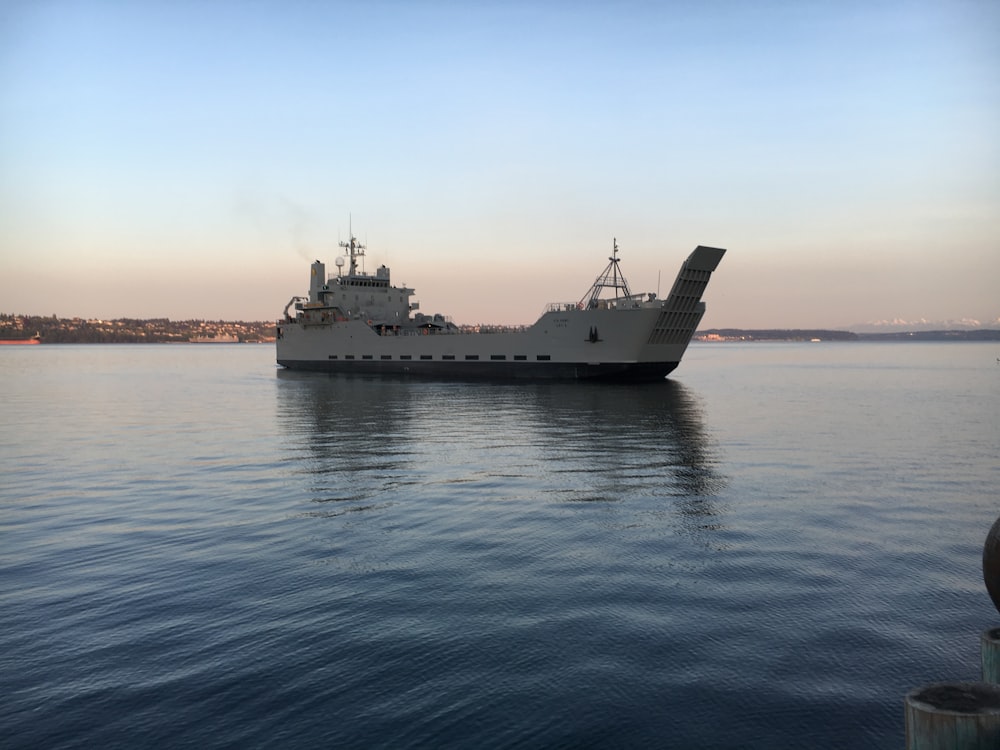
column 768, row 551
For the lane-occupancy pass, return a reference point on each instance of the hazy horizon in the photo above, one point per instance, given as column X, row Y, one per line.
column 188, row 160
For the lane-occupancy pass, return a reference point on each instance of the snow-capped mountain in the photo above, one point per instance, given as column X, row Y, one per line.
column 922, row 324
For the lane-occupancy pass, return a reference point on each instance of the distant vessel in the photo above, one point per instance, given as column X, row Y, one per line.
column 36, row 339
column 359, row 323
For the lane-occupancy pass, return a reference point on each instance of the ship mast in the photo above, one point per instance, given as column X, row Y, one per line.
column 355, row 250
column 611, row 278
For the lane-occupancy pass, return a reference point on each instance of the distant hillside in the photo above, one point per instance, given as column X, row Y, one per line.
column 775, row 334
column 53, row 330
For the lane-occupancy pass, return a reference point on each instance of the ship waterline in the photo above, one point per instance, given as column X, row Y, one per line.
column 359, row 323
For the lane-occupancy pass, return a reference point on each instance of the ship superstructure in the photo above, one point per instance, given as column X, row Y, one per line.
column 359, row 322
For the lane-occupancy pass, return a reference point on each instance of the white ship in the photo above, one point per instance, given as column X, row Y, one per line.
column 358, row 322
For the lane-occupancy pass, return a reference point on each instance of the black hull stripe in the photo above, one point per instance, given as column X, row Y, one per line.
column 623, row 371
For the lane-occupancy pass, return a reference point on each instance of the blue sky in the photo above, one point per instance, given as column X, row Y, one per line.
column 187, row 159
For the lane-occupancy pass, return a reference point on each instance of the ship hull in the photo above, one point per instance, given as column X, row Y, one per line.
column 566, row 345
column 634, row 372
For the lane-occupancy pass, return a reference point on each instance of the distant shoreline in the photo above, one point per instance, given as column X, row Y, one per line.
column 53, row 330
column 723, row 335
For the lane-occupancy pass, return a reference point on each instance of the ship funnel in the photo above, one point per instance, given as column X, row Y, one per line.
column 317, row 281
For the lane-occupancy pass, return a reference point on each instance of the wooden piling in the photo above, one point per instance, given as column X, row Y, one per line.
column 951, row 715
column 989, row 647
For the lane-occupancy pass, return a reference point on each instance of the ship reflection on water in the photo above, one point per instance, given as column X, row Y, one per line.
column 370, row 444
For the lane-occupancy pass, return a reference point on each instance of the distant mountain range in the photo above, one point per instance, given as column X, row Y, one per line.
column 898, row 325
